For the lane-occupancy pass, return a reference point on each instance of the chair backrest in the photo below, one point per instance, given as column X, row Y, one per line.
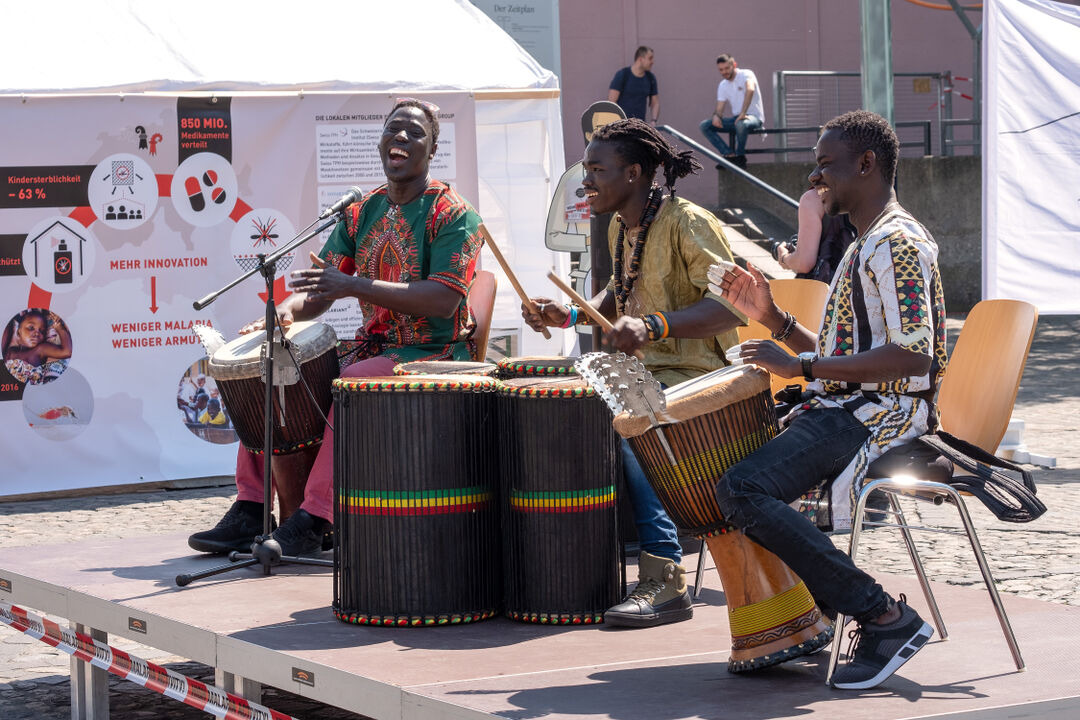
column 805, row 299
column 482, row 304
column 977, row 393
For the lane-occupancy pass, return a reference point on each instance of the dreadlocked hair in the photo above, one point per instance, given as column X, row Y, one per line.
column 862, row 130
column 638, row 142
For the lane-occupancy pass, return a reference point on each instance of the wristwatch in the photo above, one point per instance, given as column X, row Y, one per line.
column 807, row 359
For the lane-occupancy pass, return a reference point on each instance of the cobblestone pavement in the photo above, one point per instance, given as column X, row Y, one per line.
column 1039, row 560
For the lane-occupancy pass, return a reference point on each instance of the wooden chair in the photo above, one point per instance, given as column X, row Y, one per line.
column 975, row 402
column 482, row 303
column 805, row 299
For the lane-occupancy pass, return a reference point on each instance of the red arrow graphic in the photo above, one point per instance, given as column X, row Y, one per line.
column 153, row 294
column 280, row 291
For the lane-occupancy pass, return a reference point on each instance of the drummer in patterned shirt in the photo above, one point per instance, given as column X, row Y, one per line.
column 873, row 369
column 407, row 251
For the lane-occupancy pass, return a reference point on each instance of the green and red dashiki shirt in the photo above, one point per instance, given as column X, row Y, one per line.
column 435, row 237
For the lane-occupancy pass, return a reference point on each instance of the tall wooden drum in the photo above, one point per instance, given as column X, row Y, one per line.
column 415, row 501
column 559, row 462
column 713, row 422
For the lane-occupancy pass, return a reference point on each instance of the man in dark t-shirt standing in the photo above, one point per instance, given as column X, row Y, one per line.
column 634, row 88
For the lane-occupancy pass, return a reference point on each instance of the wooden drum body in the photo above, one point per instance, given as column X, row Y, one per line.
column 415, row 506
column 712, row 423
column 537, row 366
column 559, row 461
column 237, row 368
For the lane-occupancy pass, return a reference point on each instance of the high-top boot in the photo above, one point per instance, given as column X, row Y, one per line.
column 660, row 596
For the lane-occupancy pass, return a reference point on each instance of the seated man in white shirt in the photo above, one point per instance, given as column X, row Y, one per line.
column 738, row 108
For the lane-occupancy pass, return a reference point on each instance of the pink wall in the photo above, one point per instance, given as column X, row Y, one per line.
column 599, row 37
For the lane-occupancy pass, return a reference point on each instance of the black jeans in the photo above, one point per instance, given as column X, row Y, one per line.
column 754, row 496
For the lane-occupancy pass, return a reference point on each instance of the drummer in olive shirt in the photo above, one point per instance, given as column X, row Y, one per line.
column 659, row 302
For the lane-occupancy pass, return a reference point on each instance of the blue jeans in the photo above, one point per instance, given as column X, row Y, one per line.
column 754, row 496
column 716, row 135
column 657, row 534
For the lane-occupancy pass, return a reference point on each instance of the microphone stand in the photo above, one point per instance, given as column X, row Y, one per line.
column 264, row 549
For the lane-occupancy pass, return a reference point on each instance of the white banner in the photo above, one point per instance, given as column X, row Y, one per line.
column 1031, row 154
column 116, row 212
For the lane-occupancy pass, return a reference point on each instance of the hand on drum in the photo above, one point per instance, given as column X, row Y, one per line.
column 285, row 319
column 766, row 354
column 322, row 283
column 548, row 313
column 748, row 290
column 627, row 334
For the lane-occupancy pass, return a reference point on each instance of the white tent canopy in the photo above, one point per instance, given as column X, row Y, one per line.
column 127, row 46
column 80, row 78
column 243, row 45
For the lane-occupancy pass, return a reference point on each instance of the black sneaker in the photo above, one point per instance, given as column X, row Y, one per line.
column 301, row 534
column 236, row 531
column 877, row 651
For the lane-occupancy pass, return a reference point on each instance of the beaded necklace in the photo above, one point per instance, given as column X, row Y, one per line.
column 623, row 287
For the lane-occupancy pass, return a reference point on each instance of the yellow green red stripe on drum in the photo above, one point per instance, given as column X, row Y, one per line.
column 568, row 501
column 710, row 464
column 415, row 502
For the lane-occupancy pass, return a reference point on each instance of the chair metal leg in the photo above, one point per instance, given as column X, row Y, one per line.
column 841, row 619
column 890, row 487
column 988, row 578
column 916, row 562
column 700, row 576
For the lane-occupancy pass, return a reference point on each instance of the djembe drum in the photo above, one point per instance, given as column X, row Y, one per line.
column 445, row 367
column 715, row 421
column 536, row 366
column 415, row 507
column 297, row 421
column 237, row 368
column 559, row 461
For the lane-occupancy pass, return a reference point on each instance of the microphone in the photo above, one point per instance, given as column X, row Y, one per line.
column 345, row 201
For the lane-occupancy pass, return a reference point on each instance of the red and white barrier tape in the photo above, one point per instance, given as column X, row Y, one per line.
column 200, row 696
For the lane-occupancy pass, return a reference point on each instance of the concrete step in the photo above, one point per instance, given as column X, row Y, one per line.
column 746, row 248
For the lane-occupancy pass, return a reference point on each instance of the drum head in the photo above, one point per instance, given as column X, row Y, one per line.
column 445, row 367
column 537, row 366
column 242, row 357
column 702, row 395
column 447, row 383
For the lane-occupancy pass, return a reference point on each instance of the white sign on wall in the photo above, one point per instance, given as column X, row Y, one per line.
column 534, row 25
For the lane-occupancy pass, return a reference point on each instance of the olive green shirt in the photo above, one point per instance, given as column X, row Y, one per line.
column 682, row 242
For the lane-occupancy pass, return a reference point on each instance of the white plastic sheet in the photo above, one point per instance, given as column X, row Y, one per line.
column 1031, row 151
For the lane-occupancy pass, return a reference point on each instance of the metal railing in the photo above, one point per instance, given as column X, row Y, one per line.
column 785, row 148
column 810, row 97
column 739, row 172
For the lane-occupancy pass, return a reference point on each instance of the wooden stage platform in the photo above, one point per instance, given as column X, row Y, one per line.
column 266, row 628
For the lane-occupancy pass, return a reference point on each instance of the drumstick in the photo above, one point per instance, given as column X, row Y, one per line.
column 510, row 275
column 589, row 310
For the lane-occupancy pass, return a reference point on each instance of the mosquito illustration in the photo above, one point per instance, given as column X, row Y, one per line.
column 264, row 231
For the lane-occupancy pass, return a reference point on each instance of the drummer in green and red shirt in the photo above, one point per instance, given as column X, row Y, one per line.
column 407, row 252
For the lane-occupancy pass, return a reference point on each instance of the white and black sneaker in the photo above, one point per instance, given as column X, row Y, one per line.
column 877, row 651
